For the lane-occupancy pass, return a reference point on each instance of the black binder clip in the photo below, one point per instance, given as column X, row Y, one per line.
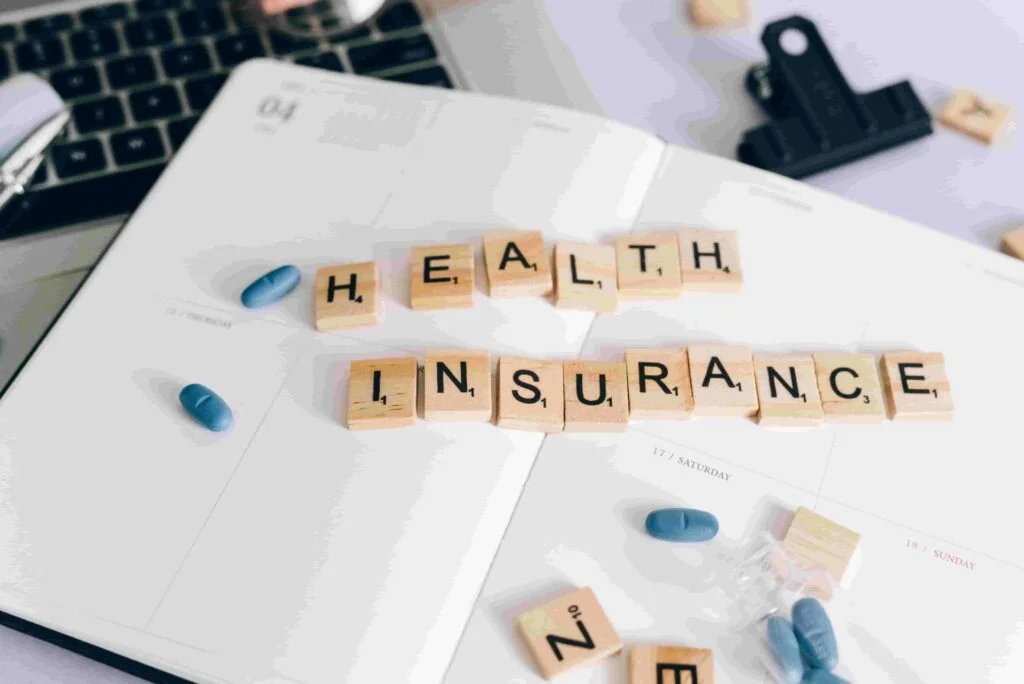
column 818, row 122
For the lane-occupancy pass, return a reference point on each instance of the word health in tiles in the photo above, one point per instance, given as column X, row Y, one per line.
column 586, row 276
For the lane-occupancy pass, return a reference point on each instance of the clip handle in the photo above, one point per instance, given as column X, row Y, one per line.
column 814, row 86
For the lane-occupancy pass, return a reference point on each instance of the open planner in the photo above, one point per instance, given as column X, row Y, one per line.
column 291, row 549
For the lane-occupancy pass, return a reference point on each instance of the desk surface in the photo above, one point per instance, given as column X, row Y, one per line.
column 647, row 67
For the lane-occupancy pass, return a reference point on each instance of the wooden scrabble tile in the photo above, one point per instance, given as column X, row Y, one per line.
column 814, row 541
column 381, row 393
column 585, row 277
column 972, row 115
column 1013, row 243
column 517, row 265
column 347, row 296
column 671, row 665
column 530, row 395
column 441, row 277
column 722, row 378
column 787, row 390
column 719, row 13
column 457, row 386
column 568, row 632
column 648, row 266
column 851, row 391
column 710, row 260
column 596, row 398
column 916, row 386
column 659, row 384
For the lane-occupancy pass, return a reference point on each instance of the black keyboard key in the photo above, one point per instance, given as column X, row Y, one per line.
column 98, row 115
column 202, row 22
column 146, row 6
column 103, row 14
column 77, row 82
column 177, row 131
column 50, row 24
column 5, row 66
column 431, row 76
column 131, row 71
column 236, row 49
column 321, row 6
column 186, row 59
column 391, row 53
column 401, row 16
column 201, row 91
column 301, row 23
column 60, row 205
column 148, row 32
column 39, row 53
column 285, row 44
column 133, row 147
column 94, row 42
column 324, row 60
column 347, row 36
column 155, row 103
column 8, row 33
column 77, row 158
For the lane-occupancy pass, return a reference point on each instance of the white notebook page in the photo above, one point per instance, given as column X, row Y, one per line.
column 820, row 274
column 291, row 549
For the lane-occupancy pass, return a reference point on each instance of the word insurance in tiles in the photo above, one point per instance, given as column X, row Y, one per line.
column 779, row 390
column 584, row 276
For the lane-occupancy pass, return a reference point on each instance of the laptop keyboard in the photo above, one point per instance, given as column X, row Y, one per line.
column 137, row 76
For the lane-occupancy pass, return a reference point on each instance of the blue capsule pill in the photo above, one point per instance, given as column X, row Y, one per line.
column 271, row 287
column 785, row 651
column 209, row 410
column 814, row 634
column 822, row 677
column 681, row 524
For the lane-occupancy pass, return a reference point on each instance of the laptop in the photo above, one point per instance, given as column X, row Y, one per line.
column 138, row 75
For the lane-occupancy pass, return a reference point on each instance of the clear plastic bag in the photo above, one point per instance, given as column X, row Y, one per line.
column 761, row 584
